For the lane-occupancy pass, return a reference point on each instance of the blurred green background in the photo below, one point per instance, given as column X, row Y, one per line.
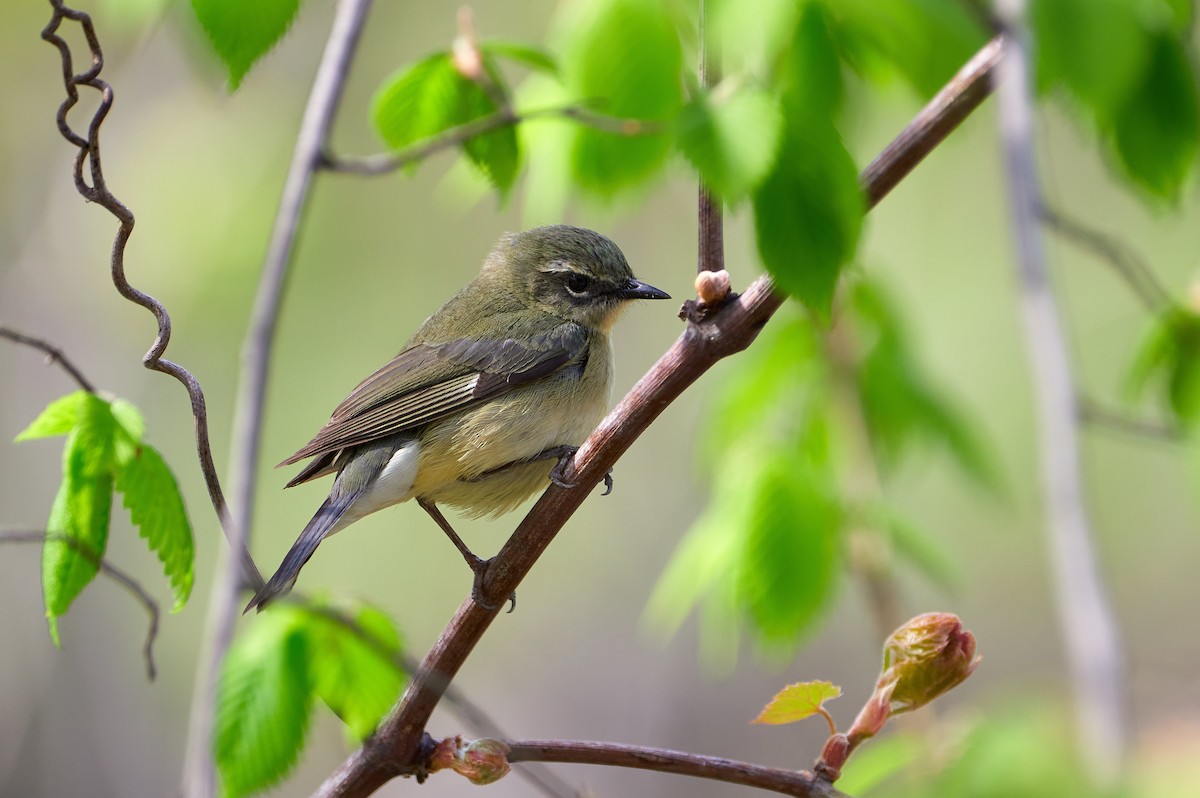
column 202, row 169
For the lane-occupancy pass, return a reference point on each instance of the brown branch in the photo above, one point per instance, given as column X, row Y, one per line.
column 97, row 191
column 662, row 760
column 385, row 163
column 394, row 749
column 54, row 355
column 710, row 247
column 112, row 572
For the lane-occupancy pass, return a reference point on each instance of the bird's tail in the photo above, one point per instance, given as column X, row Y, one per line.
column 320, row 527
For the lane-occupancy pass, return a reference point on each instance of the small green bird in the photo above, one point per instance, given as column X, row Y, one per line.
column 509, row 375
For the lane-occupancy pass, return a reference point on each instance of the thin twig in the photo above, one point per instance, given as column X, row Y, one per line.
column 199, row 779
column 385, row 163
column 97, row 191
column 710, row 246
column 1095, row 661
column 662, row 760
column 394, row 749
column 112, row 572
column 1136, row 273
column 54, row 355
column 1092, row 412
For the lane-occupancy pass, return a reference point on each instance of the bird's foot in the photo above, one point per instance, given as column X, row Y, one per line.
column 479, row 567
column 558, row 474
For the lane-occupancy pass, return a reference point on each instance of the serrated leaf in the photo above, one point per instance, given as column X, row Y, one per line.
column 264, row 702
column 797, row 702
column 357, row 678
column 731, row 141
column 243, row 32
column 432, row 96
column 59, row 418
column 624, row 59
column 749, row 34
column 1156, row 132
column 532, row 57
column 808, row 214
column 156, row 509
column 789, row 560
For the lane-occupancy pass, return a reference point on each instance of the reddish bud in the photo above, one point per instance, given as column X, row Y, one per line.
column 480, row 761
column 464, row 52
column 928, row 656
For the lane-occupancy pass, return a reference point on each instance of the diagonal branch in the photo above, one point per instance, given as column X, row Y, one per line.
column 395, row 748
column 53, row 355
column 112, row 572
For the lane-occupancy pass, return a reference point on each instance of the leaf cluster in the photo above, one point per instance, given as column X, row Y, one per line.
column 274, row 672
column 105, row 451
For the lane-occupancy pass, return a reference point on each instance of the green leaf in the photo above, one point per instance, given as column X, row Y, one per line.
column 730, row 139
column 749, row 34
column 927, row 41
column 808, row 214
column 811, row 74
column 242, row 32
column 58, row 418
column 898, row 402
column 80, row 512
column 264, row 702
column 1096, row 48
column 1157, row 129
column 797, row 702
column 432, row 96
column 1170, row 355
column 532, row 57
column 156, row 509
column 789, row 560
column 129, row 418
column 623, row 58
column 357, row 675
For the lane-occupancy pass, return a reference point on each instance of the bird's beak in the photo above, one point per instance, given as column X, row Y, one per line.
column 636, row 289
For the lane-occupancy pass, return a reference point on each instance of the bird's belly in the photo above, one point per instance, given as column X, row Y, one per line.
column 457, row 452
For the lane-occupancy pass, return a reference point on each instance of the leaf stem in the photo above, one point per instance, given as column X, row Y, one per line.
column 54, row 355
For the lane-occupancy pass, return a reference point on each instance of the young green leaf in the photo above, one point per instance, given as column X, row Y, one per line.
column 1096, row 48
column 243, row 32
column 797, row 702
column 264, row 703
column 432, row 96
column 526, row 54
column 356, row 675
column 808, row 214
column 624, row 59
column 58, row 418
column 730, row 139
column 156, row 509
column 1170, row 354
column 80, row 512
column 1157, row 130
column 789, row 561
column 81, row 508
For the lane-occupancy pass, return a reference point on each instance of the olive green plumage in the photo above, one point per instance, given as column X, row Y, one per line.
column 511, row 369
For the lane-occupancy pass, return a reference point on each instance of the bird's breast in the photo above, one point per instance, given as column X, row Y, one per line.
column 560, row 409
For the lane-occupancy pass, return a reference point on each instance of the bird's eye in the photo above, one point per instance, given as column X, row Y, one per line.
column 578, row 283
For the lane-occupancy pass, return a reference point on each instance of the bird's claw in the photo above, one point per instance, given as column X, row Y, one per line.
column 479, row 567
column 558, row 474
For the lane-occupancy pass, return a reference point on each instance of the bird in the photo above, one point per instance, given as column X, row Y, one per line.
column 487, row 401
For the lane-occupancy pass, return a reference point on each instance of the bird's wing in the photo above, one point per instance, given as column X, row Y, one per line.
column 428, row 382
